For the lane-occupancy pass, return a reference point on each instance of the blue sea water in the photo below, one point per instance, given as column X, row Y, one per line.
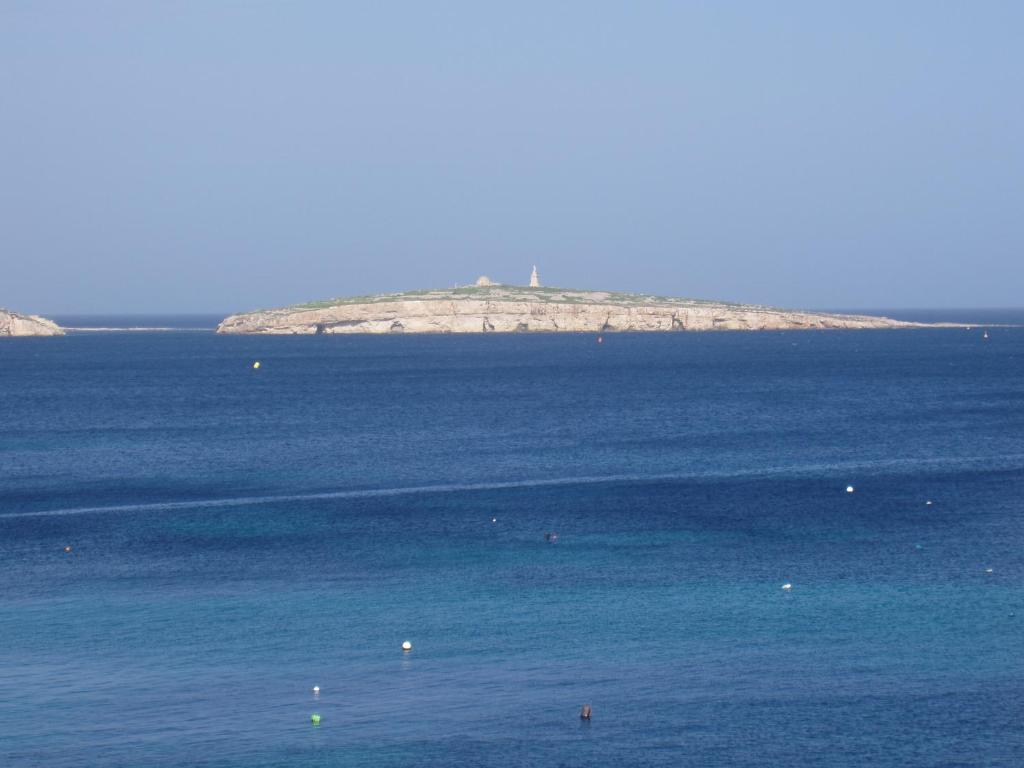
column 240, row 535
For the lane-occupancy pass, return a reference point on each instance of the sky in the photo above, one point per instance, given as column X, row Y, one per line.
column 225, row 156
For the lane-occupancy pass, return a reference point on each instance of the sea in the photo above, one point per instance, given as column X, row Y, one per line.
column 190, row 544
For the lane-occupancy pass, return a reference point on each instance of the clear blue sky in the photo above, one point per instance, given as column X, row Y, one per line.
column 219, row 156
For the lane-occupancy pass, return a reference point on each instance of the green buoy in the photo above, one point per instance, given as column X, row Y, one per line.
column 315, row 718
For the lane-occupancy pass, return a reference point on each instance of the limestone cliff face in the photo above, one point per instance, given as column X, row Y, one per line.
column 506, row 309
column 13, row 324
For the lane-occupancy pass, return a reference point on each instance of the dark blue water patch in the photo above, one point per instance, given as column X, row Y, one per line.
column 606, row 524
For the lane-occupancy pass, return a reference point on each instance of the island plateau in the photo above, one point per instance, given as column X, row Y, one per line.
column 13, row 324
column 488, row 307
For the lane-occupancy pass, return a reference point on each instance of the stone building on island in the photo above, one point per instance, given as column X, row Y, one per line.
column 485, row 282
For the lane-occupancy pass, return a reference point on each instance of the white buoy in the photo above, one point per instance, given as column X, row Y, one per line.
column 928, row 503
column 316, row 690
column 988, row 570
column 256, row 364
column 406, row 646
column 494, row 519
column 787, row 586
column 849, row 489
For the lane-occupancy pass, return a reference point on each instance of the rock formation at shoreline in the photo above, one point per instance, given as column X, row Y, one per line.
column 508, row 309
column 13, row 324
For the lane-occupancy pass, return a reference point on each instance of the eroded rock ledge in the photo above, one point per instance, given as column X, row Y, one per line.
column 509, row 309
column 13, row 324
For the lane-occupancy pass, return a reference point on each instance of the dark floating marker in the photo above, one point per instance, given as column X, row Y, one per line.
column 585, row 712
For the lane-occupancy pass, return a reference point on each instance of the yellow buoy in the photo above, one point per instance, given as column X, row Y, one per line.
column 256, row 364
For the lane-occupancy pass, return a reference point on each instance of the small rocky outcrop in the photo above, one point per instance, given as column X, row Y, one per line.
column 511, row 309
column 13, row 324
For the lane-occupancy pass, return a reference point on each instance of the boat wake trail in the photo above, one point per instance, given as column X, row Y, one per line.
column 1008, row 462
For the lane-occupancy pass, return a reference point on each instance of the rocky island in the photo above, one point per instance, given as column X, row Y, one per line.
column 489, row 307
column 13, row 324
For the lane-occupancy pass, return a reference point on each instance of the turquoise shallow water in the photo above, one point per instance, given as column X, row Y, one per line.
column 240, row 536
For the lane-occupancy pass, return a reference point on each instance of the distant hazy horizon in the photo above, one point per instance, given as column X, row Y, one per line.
column 202, row 157
column 1001, row 316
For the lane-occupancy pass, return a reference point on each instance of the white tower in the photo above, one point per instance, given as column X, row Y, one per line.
column 534, row 280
